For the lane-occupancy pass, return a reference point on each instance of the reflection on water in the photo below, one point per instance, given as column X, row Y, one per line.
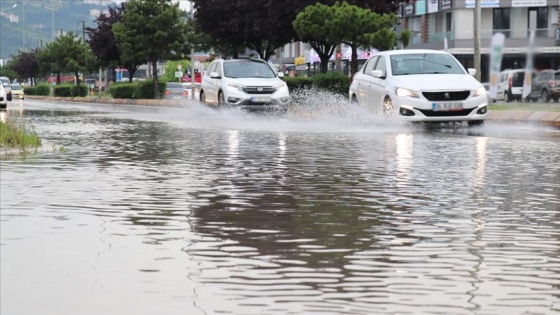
column 199, row 212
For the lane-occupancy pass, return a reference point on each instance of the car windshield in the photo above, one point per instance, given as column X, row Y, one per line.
column 16, row 87
column 425, row 63
column 248, row 69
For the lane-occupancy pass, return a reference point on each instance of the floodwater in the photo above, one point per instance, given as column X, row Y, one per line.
column 137, row 210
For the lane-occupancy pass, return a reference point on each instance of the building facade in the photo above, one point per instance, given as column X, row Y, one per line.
column 449, row 24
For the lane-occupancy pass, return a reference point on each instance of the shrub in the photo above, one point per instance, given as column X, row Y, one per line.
column 145, row 89
column 122, row 90
column 298, row 83
column 79, row 90
column 335, row 82
column 43, row 89
column 63, row 90
column 30, row 90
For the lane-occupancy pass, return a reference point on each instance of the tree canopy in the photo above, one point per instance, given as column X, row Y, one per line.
column 315, row 25
column 359, row 27
column 267, row 25
column 68, row 53
column 152, row 30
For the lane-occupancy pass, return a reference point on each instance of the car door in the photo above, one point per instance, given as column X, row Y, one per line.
column 502, row 86
column 378, row 85
column 364, row 82
column 209, row 85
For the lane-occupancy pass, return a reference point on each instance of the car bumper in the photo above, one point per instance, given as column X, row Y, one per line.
column 419, row 110
column 258, row 102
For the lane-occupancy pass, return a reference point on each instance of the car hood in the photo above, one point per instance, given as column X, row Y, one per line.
column 436, row 82
column 255, row 81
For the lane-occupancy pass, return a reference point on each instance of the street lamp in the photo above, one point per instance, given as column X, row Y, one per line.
column 15, row 5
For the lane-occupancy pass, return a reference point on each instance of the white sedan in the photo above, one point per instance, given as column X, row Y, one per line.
column 420, row 85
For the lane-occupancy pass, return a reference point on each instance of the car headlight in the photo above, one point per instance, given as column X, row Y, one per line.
column 406, row 92
column 280, row 86
column 480, row 91
column 234, row 86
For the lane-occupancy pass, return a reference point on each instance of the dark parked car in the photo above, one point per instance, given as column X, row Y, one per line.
column 545, row 86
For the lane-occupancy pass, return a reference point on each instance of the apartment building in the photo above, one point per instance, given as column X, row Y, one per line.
column 449, row 24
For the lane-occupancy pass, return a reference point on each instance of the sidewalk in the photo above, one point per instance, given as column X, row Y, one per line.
column 550, row 118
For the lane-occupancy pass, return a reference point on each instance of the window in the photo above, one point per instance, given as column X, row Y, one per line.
column 380, row 65
column 538, row 19
column 369, row 65
column 448, row 22
column 501, row 21
column 212, row 68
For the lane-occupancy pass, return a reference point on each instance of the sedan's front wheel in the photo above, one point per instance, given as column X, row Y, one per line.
column 475, row 123
column 388, row 107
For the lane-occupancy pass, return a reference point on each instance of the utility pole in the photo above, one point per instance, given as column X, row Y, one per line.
column 476, row 52
column 83, row 30
column 192, row 56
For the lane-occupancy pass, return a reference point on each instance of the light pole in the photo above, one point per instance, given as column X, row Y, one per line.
column 15, row 5
column 476, row 51
column 192, row 56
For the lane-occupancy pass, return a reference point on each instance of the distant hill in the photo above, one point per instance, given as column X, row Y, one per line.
column 68, row 16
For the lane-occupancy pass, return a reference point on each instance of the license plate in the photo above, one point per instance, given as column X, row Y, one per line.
column 260, row 99
column 447, row 106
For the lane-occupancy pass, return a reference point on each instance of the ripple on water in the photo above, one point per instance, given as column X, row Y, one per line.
column 317, row 212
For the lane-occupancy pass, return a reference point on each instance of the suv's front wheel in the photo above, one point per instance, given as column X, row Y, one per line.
column 202, row 97
column 221, row 100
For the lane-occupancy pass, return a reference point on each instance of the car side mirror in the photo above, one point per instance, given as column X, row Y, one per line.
column 214, row 75
column 378, row 74
column 472, row 71
column 280, row 74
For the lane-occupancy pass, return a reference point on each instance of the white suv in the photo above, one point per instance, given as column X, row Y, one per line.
column 249, row 84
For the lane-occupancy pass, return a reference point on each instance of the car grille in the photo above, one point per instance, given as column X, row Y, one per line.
column 447, row 95
column 259, row 89
column 249, row 102
column 431, row 113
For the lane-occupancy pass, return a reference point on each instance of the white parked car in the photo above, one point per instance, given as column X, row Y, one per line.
column 3, row 97
column 420, row 85
column 249, row 84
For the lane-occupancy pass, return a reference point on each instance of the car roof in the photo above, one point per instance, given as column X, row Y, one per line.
column 414, row 51
column 243, row 60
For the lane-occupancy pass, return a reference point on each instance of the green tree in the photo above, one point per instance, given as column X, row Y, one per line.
column 151, row 31
column 67, row 54
column 315, row 25
column 358, row 27
column 171, row 66
column 405, row 37
column 26, row 65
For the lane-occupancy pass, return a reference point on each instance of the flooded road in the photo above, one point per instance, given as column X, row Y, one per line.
column 138, row 210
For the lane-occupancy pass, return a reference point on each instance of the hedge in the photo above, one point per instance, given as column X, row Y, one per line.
column 136, row 90
column 335, row 82
column 70, row 90
column 122, row 90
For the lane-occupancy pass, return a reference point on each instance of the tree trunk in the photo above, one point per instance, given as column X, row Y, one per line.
column 155, row 76
column 354, row 61
column 131, row 73
column 324, row 62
